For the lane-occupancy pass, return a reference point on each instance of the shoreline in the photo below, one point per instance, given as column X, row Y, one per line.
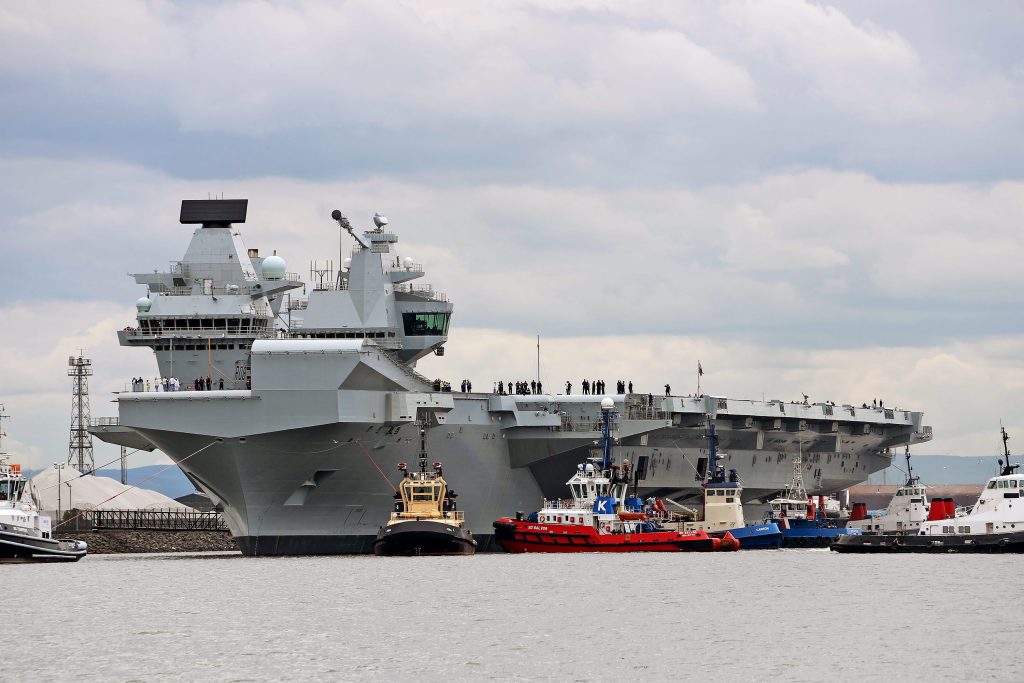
column 124, row 541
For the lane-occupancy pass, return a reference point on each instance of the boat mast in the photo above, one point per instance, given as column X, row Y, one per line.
column 911, row 480
column 3, row 416
column 1007, row 468
column 423, row 449
column 606, row 439
column 716, row 477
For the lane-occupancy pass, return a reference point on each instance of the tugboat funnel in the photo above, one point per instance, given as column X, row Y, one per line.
column 859, row 512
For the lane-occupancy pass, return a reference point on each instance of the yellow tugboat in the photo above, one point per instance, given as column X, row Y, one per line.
column 426, row 520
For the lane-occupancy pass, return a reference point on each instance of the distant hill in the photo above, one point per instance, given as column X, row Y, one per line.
column 940, row 469
column 170, row 482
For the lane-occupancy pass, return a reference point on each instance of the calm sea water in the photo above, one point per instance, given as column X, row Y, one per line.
column 793, row 615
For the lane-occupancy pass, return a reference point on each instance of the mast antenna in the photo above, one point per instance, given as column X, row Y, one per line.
column 1007, row 467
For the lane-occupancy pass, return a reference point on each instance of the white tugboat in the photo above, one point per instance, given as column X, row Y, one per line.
column 907, row 510
column 989, row 527
column 25, row 535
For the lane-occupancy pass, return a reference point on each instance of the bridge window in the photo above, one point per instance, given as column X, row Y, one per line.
column 425, row 324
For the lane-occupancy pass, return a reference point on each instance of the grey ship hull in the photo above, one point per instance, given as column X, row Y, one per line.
column 304, row 462
column 316, row 413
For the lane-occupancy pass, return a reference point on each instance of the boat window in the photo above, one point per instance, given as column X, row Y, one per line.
column 730, row 492
column 728, row 500
column 992, row 484
column 1013, row 483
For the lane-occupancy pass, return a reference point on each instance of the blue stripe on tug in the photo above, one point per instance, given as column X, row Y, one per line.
column 758, row 537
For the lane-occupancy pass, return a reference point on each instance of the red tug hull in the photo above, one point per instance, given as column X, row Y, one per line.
column 516, row 536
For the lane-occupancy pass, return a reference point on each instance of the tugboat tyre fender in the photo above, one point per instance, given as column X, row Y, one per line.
column 1004, row 542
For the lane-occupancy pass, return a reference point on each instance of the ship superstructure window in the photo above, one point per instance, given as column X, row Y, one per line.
column 425, row 324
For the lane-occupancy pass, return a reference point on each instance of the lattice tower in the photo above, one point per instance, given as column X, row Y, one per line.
column 80, row 446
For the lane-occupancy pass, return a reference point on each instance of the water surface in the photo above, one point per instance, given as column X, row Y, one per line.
column 794, row 615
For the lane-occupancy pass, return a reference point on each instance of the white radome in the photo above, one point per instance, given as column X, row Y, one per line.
column 143, row 304
column 347, row 263
column 408, row 262
column 607, row 403
column 274, row 268
column 379, row 220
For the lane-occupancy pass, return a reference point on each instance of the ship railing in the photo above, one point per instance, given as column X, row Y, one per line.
column 426, row 291
column 331, row 286
column 405, row 368
column 411, row 268
column 164, row 519
column 104, row 422
column 636, row 411
column 213, row 332
column 559, row 504
column 569, row 424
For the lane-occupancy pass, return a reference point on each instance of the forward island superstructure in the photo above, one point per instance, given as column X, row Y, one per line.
column 320, row 392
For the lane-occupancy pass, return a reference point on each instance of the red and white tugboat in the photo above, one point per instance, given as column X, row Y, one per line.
column 600, row 517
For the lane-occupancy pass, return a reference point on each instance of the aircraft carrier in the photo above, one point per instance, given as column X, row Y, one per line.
column 314, row 398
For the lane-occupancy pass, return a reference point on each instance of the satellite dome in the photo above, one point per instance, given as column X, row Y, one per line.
column 274, row 268
column 408, row 262
column 379, row 220
column 607, row 403
column 143, row 304
column 347, row 263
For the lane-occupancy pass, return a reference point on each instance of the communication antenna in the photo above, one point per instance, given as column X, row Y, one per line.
column 80, row 451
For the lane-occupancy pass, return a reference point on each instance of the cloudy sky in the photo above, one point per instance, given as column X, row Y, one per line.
column 819, row 198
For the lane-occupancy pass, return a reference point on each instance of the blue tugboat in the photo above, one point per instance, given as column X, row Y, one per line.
column 803, row 525
column 723, row 509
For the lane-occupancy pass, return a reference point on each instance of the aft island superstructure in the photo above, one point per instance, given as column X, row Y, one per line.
column 320, row 393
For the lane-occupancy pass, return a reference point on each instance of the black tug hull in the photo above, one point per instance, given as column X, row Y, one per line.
column 968, row 543
column 21, row 548
column 424, row 537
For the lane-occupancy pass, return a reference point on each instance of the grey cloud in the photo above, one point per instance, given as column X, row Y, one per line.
column 567, row 95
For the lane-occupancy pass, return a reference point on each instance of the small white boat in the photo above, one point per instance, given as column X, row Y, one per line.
column 26, row 535
column 988, row 527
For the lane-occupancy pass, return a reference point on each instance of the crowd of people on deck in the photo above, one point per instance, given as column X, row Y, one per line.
column 173, row 384
column 522, row 388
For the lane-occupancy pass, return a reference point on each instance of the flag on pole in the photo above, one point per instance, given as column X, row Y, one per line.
column 700, row 370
